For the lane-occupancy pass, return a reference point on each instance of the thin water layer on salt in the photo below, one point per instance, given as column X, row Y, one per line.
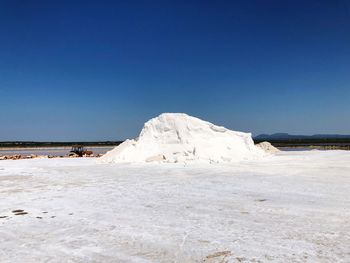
column 53, row 151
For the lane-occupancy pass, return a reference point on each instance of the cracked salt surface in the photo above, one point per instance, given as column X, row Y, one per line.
column 289, row 207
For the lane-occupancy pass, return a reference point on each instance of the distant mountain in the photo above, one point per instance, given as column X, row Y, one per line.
column 286, row 136
column 275, row 136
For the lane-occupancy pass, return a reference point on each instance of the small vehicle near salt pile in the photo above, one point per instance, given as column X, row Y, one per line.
column 79, row 151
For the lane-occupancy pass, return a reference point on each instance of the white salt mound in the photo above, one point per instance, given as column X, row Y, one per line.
column 267, row 147
column 178, row 137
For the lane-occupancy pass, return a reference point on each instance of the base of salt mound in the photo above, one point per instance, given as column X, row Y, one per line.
column 178, row 137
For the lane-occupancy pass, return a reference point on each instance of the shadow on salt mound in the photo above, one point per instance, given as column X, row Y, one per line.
column 178, row 137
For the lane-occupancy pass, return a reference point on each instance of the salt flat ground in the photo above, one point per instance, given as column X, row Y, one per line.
column 292, row 207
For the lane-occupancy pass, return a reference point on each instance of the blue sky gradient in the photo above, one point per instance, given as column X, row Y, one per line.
column 97, row 70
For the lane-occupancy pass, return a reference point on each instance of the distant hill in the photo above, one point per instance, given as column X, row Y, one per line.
column 288, row 140
column 286, row 137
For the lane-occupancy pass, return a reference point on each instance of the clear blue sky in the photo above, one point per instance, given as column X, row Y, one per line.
column 96, row 70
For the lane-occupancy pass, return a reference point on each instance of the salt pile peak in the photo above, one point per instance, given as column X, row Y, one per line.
column 178, row 137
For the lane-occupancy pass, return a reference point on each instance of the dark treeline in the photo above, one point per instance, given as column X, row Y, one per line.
column 24, row 144
column 295, row 142
column 307, row 142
